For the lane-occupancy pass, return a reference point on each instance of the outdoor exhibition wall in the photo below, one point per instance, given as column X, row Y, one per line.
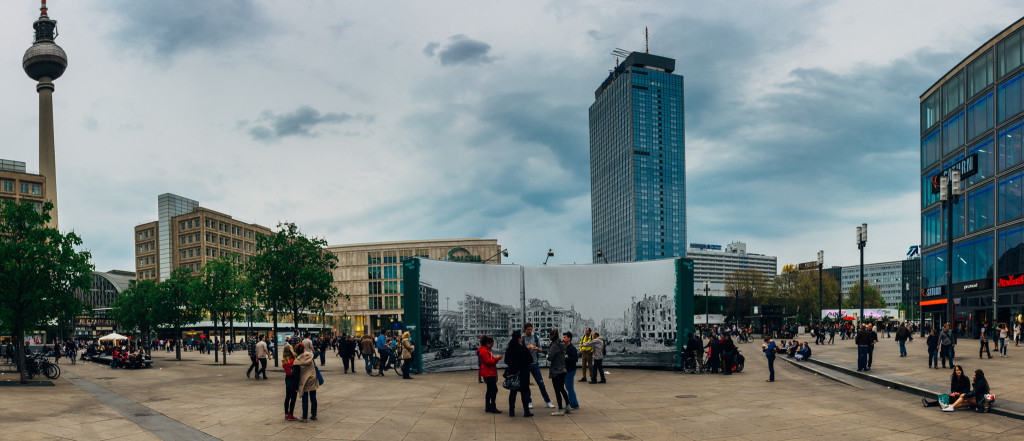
column 636, row 307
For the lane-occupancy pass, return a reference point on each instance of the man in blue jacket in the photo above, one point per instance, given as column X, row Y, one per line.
column 769, row 352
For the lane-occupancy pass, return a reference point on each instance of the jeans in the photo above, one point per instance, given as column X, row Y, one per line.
column 348, row 361
column 289, row 400
column 406, row 364
column 871, row 355
column 570, row 382
column 947, row 354
column 771, row 368
column 1002, row 347
column 862, row 357
column 984, row 348
column 368, row 358
column 385, row 356
column 255, row 365
column 490, row 398
column 903, row 348
column 933, row 357
column 306, row 398
column 262, row 369
column 535, row 370
column 558, row 383
column 598, row 369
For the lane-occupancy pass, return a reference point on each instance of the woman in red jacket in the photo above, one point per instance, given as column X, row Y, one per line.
column 489, row 370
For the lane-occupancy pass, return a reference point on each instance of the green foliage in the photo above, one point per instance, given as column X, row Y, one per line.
column 174, row 305
column 753, row 288
column 223, row 291
column 292, row 272
column 39, row 270
column 132, row 308
column 872, row 297
column 798, row 292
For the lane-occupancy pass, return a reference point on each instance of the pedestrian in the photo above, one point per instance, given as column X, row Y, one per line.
column 902, row 334
column 518, row 358
column 947, row 341
column 291, row 382
column 769, row 349
column 571, row 358
column 384, row 352
column 729, row 352
column 366, row 350
column 532, row 342
column 324, row 345
column 871, row 346
column 556, row 371
column 863, row 341
column 983, row 338
column 489, row 371
column 587, row 353
column 407, row 351
column 600, row 349
column 261, row 354
column 714, row 353
column 1016, row 334
column 251, row 346
column 832, row 334
column 933, row 349
column 1001, row 343
column 308, row 382
column 347, row 350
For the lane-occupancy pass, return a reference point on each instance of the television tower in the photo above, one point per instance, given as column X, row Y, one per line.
column 45, row 62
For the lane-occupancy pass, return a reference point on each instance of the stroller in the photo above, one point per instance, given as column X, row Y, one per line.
column 983, row 405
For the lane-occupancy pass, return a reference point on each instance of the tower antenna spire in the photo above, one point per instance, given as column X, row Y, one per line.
column 42, row 9
column 647, row 38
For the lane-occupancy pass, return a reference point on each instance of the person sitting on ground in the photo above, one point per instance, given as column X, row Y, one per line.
column 958, row 384
column 791, row 349
column 972, row 397
column 804, row 352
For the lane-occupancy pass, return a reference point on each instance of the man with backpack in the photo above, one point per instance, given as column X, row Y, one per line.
column 531, row 339
column 597, row 345
column 586, row 353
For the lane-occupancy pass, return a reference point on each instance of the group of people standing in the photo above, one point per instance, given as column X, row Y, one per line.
column 522, row 358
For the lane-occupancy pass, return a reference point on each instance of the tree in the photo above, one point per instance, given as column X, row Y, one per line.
column 798, row 291
column 749, row 287
column 222, row 293
column 133, row 307
column 39, row 270
column 292, row 272
column 872, row 297
column 174, row 303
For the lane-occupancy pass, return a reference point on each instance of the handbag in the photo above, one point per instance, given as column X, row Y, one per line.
column 511, row 381
column 319, row 378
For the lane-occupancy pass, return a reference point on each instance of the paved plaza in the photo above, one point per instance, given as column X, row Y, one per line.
column 193, row 399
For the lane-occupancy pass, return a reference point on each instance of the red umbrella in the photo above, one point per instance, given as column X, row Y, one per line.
column 848, row 318
column 202, row 336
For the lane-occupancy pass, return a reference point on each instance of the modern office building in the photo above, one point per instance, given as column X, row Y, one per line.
column 887, row 277
column 637, row 166
column 711, row 263
column 17, row 184
column 371, row 275
column 973, row 118
column 187, row 235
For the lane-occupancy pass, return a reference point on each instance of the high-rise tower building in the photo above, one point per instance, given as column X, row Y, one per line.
column 45, row 62
column 637, row 166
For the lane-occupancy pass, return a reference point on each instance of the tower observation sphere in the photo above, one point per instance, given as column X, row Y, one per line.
column 44, row 59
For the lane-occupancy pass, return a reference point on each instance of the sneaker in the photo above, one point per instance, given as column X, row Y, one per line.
column 550, row 406
column 313, row 417
column 527, row 415
column 529, row 406
column 575, row 408
column 290, row 418
column 558, row 412
column 948, row 409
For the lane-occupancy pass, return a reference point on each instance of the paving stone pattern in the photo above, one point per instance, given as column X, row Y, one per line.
column 635, row 404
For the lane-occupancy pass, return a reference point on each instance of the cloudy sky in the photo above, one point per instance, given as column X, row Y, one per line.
column 380, row 121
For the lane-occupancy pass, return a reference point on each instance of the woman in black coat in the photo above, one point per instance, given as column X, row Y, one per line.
column 972, row 397
column 518, row 359
column 959, row 384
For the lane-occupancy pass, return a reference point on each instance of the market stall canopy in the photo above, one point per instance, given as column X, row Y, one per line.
column 113, row 336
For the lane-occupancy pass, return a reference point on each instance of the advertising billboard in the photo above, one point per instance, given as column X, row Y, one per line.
column 634, row 306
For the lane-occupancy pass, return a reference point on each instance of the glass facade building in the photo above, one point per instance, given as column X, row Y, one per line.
column 977, row 108
column 637, row 166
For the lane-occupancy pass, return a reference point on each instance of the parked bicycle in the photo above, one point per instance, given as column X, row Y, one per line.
column 37, row 364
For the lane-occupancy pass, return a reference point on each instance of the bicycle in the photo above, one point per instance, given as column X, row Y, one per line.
column 38, row 364
column 392, row 363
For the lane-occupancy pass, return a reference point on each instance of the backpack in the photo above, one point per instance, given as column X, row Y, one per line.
column 604, row 347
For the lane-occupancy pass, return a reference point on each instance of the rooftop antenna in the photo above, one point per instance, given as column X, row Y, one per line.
column 647, row 40
column 42, row 9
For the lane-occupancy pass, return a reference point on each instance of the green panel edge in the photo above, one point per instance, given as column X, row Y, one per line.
column 411, row 304
column 684, row 305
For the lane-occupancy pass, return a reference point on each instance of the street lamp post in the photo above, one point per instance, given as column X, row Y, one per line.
column 550, row 255
column 707, row 289
column 503, row 252
column 600, row 253
column 949, row 194
column 862, row 240
column 821, row 261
